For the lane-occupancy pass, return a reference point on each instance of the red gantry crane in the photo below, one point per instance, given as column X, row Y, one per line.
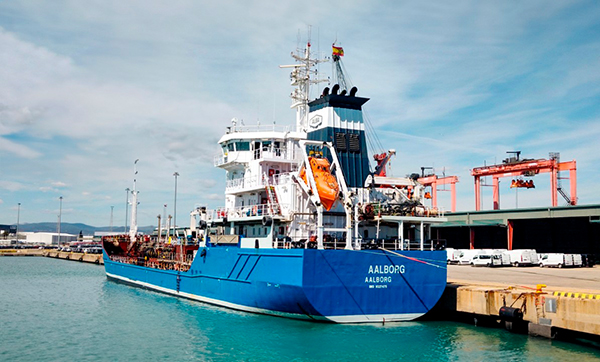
column 433, row 181
column 514, row 167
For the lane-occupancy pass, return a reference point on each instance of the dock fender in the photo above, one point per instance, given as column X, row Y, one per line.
column 510, row 314
column 267, row 221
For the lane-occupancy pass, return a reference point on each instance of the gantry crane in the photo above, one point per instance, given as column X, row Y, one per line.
column 433, row 181
column 514, row 167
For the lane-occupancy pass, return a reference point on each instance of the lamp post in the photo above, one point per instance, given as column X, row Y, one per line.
column 133, row 230
column 126, row 208
column 18, row 216
column 175, row 208
column 164, row 219
column 59, row 217
column 111, row 218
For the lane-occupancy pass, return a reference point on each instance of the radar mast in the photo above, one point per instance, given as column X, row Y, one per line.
column 302, row 77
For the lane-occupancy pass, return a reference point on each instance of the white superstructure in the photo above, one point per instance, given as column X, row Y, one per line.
column 273, row 193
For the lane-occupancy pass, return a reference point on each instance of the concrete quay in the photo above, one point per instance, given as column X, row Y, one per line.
column 22, row 252
column 540, row 301
column 50, row 253
column 83, row 257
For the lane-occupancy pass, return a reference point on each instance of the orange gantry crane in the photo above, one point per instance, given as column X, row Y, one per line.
column 513, row 167
column 433, row 181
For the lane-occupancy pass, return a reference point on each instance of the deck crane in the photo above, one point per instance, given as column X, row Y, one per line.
column 382, row 159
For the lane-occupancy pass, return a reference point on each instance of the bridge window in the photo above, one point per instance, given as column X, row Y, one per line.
column 242, row 146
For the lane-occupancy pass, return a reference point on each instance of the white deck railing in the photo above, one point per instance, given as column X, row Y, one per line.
column 247, row 183
column 245, row 211
column 267, row 153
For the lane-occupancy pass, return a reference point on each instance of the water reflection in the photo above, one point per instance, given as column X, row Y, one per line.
column 60, row 310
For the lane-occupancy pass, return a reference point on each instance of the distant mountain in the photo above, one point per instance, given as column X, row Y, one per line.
column 75, row 228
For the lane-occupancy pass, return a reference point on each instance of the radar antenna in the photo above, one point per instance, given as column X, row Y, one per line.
column 302, row 77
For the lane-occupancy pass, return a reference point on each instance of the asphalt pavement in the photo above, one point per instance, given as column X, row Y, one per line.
column 585, row 280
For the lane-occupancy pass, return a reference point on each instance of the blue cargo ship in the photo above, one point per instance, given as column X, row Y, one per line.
column 309, row 229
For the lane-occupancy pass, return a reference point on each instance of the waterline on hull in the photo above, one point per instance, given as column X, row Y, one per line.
column 342, row 319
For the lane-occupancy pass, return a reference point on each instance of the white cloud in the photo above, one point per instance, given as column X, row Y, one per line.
column 89, row 87
column 11, row 185
column 16, row 149
column 214, row 197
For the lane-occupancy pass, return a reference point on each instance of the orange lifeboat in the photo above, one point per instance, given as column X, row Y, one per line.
column 327, row 186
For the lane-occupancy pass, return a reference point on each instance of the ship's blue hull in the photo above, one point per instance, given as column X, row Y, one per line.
column 342, row 286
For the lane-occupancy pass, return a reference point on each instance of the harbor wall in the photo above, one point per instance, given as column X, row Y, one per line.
column 22, row 252
column 539, row 312
column 82, row 257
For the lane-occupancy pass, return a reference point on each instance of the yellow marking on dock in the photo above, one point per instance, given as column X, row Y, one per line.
column 576, row 295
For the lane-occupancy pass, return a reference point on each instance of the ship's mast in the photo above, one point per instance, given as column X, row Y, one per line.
column 302, row 77
column 134, row 194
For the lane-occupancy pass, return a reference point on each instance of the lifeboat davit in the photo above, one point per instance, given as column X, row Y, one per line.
column 327, row 186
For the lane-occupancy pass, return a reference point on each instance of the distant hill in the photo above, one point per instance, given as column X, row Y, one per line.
column 75, row 228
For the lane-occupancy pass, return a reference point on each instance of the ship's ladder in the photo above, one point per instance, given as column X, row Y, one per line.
column 274, row 207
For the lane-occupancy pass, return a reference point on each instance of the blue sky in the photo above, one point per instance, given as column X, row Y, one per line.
column 87, row 87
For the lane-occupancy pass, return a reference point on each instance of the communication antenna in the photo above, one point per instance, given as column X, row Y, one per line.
column 303, row 75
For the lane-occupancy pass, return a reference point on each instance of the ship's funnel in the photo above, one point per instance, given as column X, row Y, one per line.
column 338, row 119
column 335, row 89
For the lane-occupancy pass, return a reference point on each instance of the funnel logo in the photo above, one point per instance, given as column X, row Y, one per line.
column 315, row 121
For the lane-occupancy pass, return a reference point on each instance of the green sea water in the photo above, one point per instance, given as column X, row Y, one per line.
column 58, row 310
